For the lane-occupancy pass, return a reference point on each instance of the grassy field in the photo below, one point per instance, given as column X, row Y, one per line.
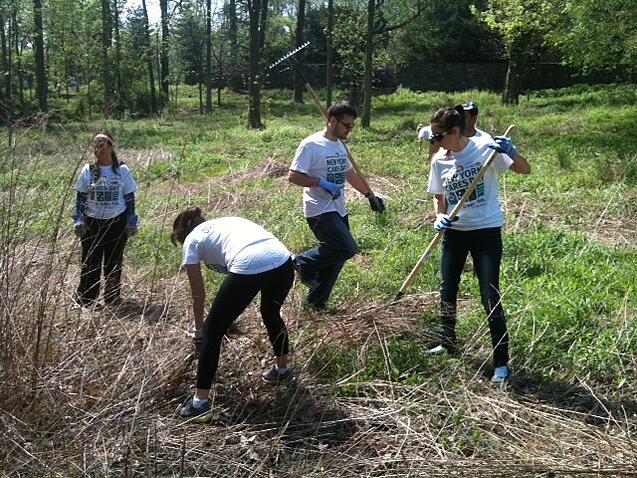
column 94, row 392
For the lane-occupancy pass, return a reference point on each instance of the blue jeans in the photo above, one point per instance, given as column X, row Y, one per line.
column 485, row 246
column 324, row 263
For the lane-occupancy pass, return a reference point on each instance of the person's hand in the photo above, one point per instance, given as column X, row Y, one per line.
column 131, row 225
column 378, row 205
column 333, row 189
column 443, row 222
column 197, row 336
column 503, row 145
column 80, row 229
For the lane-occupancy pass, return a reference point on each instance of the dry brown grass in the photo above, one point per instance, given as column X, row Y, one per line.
column 94, row 392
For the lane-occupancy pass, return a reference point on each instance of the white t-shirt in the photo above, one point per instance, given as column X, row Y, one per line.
column 236, row 244
column 105, row 197
column 451, row 174
column 319, row 157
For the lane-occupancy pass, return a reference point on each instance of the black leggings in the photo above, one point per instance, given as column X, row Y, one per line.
column 485, row 246
column 102, row 246
column 234, row 295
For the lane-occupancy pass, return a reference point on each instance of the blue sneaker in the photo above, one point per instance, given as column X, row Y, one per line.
column 501, row 376
column 201, row 414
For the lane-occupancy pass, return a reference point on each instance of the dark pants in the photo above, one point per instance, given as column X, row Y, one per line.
column 324, row 263
column 102, row 246
column 234, row 295
column 485, row 246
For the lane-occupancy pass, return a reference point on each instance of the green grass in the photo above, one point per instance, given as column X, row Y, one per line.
column 565, row 293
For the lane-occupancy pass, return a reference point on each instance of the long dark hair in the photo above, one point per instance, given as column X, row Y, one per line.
column 449, row 118
column 95, row 167
column 184, row 223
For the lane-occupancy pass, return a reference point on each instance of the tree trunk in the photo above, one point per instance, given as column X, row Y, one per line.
column 254, row 80
column 512, row 83
column 298, row 81
column 4, row 97
column 40, row 71
column 18, row 53
column 163, row 4
column 367, row 74
column 330, row 53
column 106, row 63
column 118, row 55
column 208, row 57
column 149, row 61
column 200, row 96
column 235, row 77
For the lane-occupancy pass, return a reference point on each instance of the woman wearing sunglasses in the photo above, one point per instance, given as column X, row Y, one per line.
column 476, row 228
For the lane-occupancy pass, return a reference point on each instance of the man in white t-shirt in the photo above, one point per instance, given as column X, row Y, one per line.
column 321, row 166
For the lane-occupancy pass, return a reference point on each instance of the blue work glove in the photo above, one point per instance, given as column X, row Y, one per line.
column 333, row 189
column 443, row 222
column 131, row 225
column 381, row 204
column 80, row 229
column 504, row 145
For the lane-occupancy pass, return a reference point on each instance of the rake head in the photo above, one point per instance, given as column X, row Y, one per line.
column 289, row 55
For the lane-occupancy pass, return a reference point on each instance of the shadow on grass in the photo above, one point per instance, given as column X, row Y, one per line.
column 593, row 409
column 300, row 418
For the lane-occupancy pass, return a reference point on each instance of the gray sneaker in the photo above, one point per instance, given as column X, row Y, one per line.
column 274, row 377
column 201, row 414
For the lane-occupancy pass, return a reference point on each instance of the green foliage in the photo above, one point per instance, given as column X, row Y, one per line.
column 596, row 35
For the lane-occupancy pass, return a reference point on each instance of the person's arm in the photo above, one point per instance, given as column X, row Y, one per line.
column 198, row 292
column 302, row 179
column 356, row 182
column 502, row 144
column 520, row 165
column 440, row 204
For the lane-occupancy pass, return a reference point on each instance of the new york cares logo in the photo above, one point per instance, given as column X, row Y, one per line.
column 456, row 180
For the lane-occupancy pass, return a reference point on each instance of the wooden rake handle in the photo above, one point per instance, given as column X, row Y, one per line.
column 454, row 212
column 323, row 111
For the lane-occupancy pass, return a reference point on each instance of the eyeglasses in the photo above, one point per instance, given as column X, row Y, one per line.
column 347, row 125
column 437, row 137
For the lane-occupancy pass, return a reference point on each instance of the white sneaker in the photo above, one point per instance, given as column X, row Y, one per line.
column 501, row 376
column 438, row 350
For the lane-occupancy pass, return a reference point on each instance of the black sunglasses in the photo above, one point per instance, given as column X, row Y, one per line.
column 437, row 137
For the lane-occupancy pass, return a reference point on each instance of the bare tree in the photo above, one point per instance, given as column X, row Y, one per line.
column 106, row 62
column 300, row 23
column 257, row 11
column 329, row 74
column 40, row 70
column 208, row 56
column 149, row 61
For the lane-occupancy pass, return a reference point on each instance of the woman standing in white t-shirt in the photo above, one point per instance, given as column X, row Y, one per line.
column 254, row 261
column 104, row 219
column 476, row 228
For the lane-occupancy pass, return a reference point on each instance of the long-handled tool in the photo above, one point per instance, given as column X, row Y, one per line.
column 412, row 275
column 369, row 192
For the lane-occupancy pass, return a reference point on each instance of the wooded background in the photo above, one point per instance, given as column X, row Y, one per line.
column 107, row 57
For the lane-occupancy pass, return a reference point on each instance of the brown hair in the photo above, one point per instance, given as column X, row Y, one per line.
column 449, row 118
column 184, row 223
column 95, row 167
column 340, row 109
